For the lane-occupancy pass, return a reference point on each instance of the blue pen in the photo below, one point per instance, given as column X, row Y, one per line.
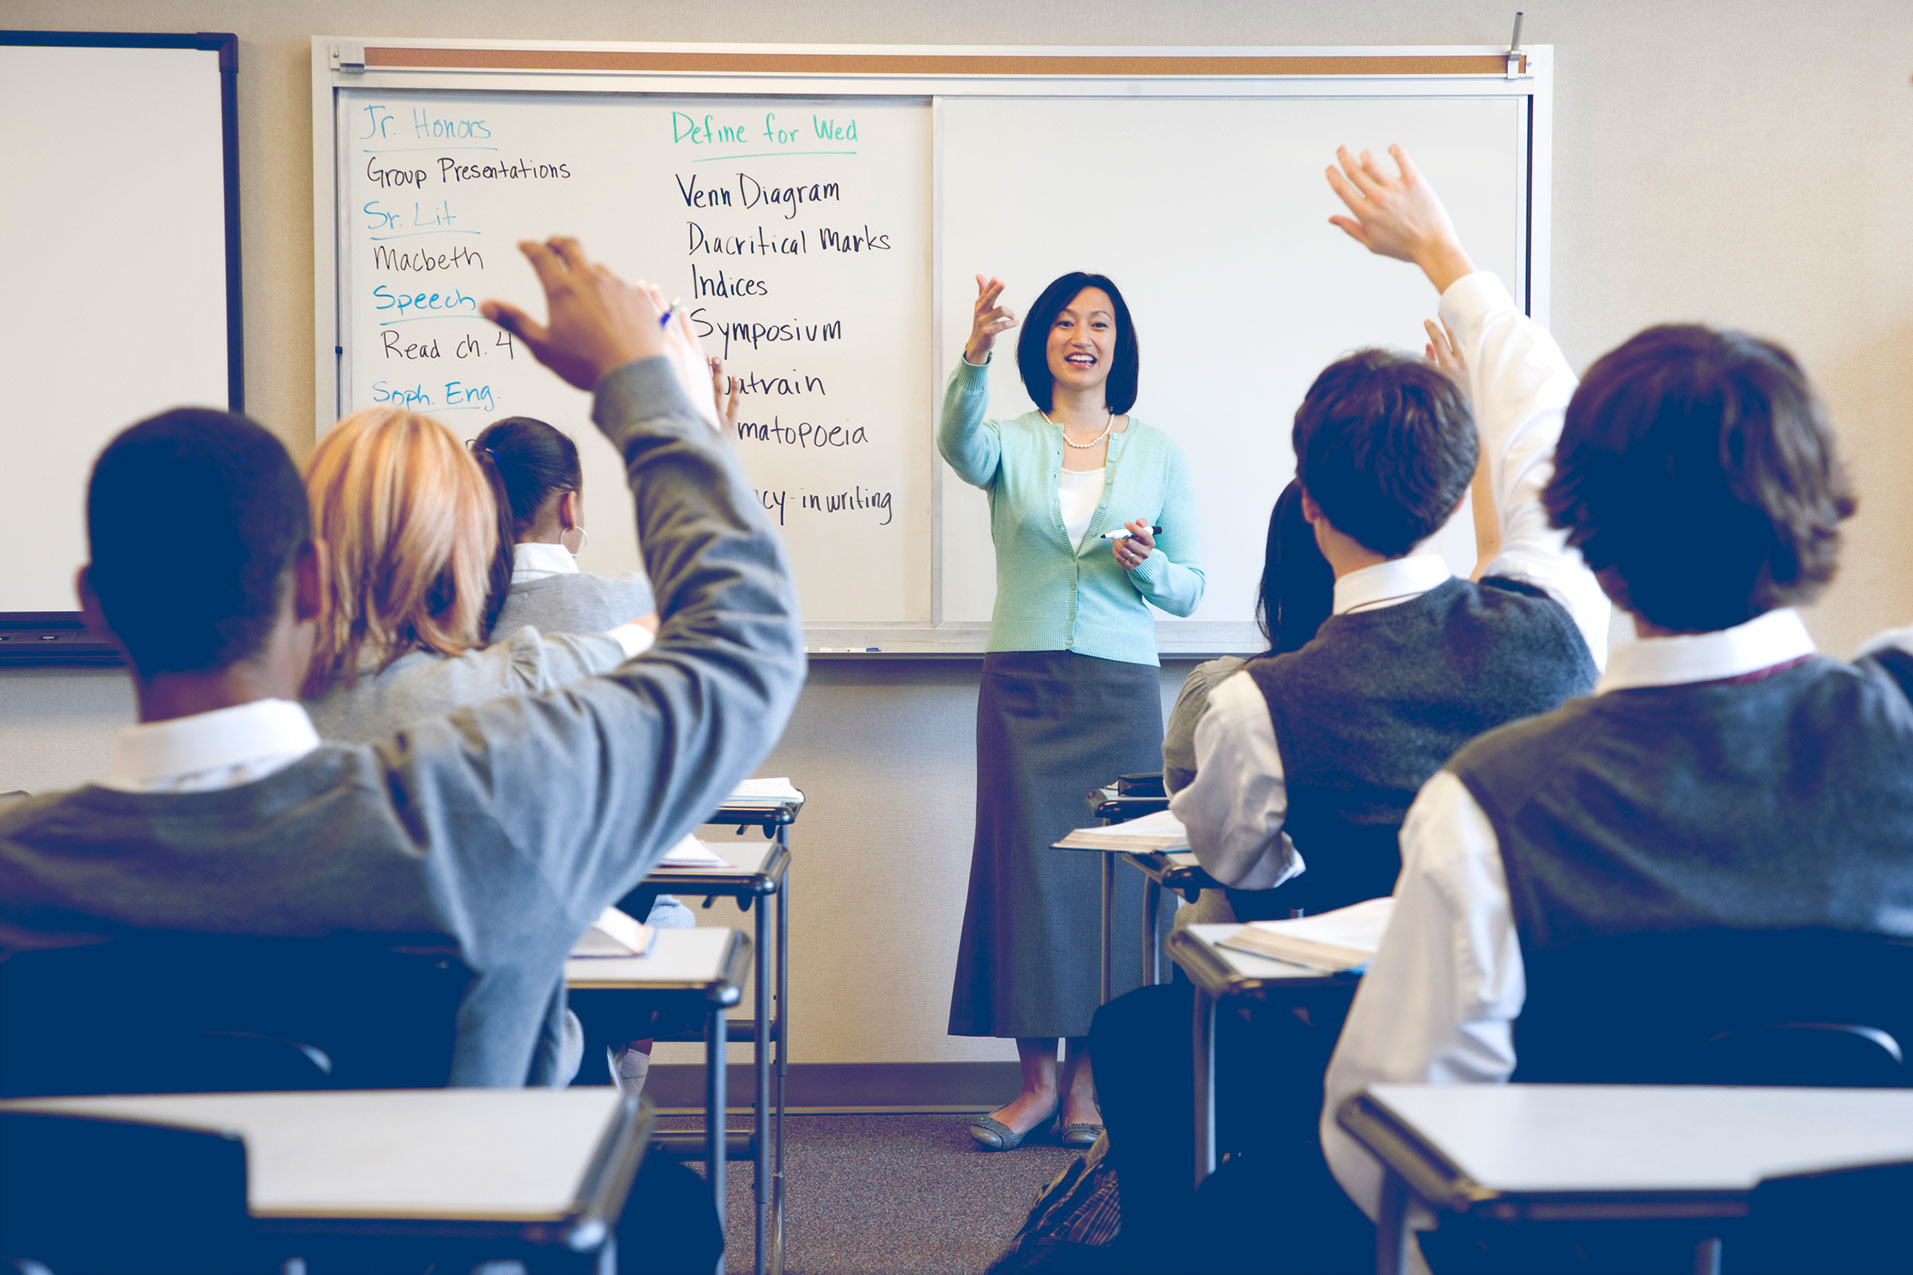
column 664, row 320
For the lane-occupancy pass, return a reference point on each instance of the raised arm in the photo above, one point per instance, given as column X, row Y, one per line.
column 591, row 784
column 1518, row 380
column 968, row 442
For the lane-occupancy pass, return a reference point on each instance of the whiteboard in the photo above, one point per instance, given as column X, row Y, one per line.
column 120, row 276
column 1193, row 182
column 796, row 233
column 1211, row 215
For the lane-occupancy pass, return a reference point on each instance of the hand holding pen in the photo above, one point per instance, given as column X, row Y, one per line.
column 1133, row 544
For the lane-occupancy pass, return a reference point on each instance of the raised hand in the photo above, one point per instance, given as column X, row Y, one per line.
column 1445, row 352
column 726, row 408
column 989, row 320
column 597, row 321
column 1398, row 215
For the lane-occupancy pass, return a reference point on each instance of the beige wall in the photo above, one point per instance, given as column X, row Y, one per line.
column 1743, row 162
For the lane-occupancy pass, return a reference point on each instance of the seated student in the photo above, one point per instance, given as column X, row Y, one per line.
column 1306, row 762
column 506, row 827
column 1296, row 594
column 1332, row 741
column 1722, row 779
column 412, row 528
column 538, row 485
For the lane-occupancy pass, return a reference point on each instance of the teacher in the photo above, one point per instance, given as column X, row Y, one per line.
column 1071, row 693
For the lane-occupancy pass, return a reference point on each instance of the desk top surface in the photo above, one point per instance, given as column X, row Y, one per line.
column 745, row 855
column 1582, row 1139
column 485, row 1154
column 695, row 958
column 1250, row 966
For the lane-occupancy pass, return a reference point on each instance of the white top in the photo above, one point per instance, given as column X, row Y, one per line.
column 1079, row 491
column 1521, row 384
column 493, row 1154
column 531, row 561
column 206, row 751
column 1440, row 998
column 1588, row 1139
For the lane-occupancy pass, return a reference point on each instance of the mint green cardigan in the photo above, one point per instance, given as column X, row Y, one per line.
column 1051, row 595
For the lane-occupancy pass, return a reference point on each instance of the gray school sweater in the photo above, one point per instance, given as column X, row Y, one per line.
column 577, row 602
column 505, row 827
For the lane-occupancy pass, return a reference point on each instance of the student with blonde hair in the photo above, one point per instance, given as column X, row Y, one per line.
column 413, row 528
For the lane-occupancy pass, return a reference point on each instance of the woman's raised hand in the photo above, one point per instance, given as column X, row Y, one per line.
column 726, row 407
column 990, row 319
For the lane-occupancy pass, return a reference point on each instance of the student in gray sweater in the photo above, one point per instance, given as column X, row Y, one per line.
column 505, row 827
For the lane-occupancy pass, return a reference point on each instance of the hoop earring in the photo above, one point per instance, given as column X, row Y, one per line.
column 583, row 537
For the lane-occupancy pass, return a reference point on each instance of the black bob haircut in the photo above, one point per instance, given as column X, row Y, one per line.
column 535, row 462
column 1032, row 344
column 193, row 520
column 1386, row 446
column 1298, row 585
column 1687, row 445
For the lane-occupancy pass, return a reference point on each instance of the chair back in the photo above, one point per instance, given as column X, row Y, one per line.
column 1806, row 1007
column 82, row 1195
column 183, row 1013
column 1839, row 1222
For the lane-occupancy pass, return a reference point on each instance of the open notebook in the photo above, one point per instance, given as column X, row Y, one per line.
column 1160, row 831
column 614, row 933
column 1332, row 942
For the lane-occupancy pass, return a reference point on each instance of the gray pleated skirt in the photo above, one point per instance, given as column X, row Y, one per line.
column 1050, row 726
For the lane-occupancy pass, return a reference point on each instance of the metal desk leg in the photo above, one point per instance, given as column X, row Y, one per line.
column 1205, row 1060
column 1151, row 941
column 1391, row 1227
column 761, row 1099
column 714, row 1115
column 1109, row 919
column 1707, row 1257
column 782, row 1046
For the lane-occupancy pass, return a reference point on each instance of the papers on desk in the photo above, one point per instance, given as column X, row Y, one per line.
column 614, row 933
column 1332, row 942
column 1160, row 831
column 691, row 855
column 765, row 793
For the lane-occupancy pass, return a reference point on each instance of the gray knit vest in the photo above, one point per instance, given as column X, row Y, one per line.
column 1371, row 708
column 1644, row 819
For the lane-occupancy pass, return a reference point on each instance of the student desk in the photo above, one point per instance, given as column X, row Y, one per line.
column 759, row 871
column 700, row 970
column 1107, row 806
column 1244, row 980
column 356, row 1180
column 1587, row 1152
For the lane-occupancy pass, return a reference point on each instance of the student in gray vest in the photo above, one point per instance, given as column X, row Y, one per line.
column 1307, row 761
column 1724, row 779
column 505, row 827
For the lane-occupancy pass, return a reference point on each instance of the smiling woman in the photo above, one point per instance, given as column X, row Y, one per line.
column 1069, row 695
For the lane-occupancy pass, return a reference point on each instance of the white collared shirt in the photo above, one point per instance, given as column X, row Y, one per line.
column 1439, row 1001
column 533, row 561
column 1235, row 808
column 206, row 751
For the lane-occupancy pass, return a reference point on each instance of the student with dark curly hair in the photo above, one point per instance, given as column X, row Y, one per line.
column 1069, row 694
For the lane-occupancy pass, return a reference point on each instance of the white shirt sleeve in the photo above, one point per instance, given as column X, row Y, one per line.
column 1892, row 639
column 1438, row 1003
column 1235, row 807
column 634, row 638
column 1521, row 383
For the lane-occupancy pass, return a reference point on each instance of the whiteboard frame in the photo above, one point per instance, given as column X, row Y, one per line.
column 338, row 63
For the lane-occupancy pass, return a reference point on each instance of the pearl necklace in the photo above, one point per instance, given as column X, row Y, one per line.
column 1070, row 442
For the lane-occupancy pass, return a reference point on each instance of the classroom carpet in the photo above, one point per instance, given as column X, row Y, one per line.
column 890, row 1193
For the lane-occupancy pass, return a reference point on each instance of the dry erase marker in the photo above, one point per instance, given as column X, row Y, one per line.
column 1123, row 533
column 664, row 320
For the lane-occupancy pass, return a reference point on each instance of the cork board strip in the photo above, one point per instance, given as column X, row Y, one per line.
column 933, row 64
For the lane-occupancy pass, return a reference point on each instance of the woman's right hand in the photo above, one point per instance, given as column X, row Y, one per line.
column 989, row 320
